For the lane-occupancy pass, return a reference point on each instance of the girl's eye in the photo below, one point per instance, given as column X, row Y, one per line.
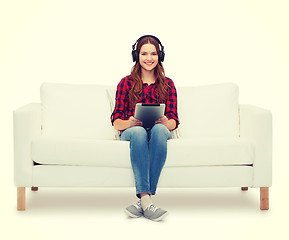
column 145, row 54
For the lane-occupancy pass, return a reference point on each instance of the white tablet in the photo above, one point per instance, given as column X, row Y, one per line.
column 148, row 113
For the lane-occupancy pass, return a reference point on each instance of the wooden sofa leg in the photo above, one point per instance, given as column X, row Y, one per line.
column 264, row 198
column 34, row 188
column 21, row 198
column 244, row 188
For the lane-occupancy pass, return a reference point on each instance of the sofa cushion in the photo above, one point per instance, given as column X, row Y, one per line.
column 210, row 152
column 112, row 153
column 209, row 111
column 80, row 152
column 75, row 110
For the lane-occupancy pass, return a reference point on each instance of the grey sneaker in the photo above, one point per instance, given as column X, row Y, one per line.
column 154, row 213
column 134, row 210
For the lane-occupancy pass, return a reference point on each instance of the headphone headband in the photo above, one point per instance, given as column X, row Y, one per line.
column 135, row 54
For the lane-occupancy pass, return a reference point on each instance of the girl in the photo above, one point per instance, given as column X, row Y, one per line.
column 148, row 148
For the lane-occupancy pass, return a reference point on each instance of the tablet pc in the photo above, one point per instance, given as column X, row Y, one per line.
column 148, row 113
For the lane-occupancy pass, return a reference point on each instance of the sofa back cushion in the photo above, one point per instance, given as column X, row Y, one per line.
column 209, row 111
column 75, row 110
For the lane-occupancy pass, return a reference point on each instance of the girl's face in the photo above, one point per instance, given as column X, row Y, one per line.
column 148, row 57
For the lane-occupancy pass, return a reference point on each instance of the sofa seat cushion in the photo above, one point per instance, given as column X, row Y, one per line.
column 113, row 153
column 80, row 152
column 210, row 152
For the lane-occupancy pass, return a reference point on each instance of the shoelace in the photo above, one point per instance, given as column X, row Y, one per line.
column 152, row 208
column 138, row 203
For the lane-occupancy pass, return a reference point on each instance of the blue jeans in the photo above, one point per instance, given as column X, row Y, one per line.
column 148, row 153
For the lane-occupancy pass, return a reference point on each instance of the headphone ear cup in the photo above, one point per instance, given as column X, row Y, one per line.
column 161, row 56
column 135, row 55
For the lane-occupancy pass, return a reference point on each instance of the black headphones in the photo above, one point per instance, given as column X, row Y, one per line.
column 135, row 53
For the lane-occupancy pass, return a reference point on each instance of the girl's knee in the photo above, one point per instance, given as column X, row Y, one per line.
column 135, row 133
column 139, row 131
column 161, row 130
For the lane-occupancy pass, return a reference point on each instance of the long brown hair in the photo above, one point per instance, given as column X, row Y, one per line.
column 136, row 75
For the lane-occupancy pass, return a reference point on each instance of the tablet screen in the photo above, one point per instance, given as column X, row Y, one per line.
column 148, row 113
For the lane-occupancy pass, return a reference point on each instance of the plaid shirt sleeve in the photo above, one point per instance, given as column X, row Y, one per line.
column 171, row 103
column 121, row 101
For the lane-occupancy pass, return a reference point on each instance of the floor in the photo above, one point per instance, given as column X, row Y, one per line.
column 96, row 213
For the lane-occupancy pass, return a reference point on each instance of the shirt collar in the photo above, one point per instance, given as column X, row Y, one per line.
column 156, row 82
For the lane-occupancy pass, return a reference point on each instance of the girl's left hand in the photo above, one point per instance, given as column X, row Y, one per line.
column 163, row 120
column 170, row 124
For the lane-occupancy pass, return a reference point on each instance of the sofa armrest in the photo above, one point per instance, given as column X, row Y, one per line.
column 256, row 126
column 27, row 125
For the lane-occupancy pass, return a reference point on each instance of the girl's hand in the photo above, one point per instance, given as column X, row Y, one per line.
column 163, row 120
column 134, row 122
column 170, row 124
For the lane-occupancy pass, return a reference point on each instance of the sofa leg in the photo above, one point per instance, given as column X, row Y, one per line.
column 34, row 188
column 264, row 198
column 21, row 198
column 244, row 188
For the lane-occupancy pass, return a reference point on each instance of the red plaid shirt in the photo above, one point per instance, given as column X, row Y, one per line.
column 148, row 94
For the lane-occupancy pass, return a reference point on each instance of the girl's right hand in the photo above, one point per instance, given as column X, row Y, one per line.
column 132, row 121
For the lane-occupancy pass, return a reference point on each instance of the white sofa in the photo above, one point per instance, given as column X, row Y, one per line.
column 67, row 140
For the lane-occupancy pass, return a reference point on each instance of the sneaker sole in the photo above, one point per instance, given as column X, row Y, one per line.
column 131, row 214
column 159, row 218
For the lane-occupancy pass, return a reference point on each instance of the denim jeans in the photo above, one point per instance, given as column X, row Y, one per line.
column 148, row 153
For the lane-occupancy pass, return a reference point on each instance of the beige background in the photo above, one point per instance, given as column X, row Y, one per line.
column 206, row 42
